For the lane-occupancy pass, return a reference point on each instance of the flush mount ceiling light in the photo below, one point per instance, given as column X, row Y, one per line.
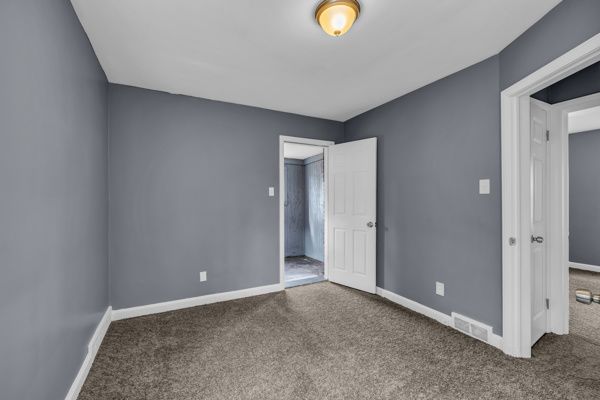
column 337, row 16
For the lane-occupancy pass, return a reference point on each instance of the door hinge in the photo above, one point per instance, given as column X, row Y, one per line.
column 547, row 304
column 547, row 136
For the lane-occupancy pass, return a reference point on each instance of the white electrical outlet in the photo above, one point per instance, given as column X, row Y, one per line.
column 439, row 288
column 203, row 276
column 271, row 191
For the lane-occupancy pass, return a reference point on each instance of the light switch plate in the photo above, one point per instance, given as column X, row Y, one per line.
column 439, row 288
column 484, row 186
column 203, row 276
column 271, row 191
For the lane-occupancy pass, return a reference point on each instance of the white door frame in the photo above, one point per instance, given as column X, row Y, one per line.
column 312, row 142
column 515, row 136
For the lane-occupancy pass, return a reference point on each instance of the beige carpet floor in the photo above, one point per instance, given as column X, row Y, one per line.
column 325, row 341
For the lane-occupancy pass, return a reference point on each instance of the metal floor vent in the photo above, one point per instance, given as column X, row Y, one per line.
column 471, row 327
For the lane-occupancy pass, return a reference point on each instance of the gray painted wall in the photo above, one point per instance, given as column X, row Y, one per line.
column 53, row 206
column 583, row 83
column 584, row 197
column 314, row 227
column 188, row 184
column 167, row 218
column 295, row 207
column 434, row 146
column 188, row 194
column 567, row 25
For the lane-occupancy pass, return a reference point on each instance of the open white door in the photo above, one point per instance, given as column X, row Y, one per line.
column 352, row 205
column 539, row 191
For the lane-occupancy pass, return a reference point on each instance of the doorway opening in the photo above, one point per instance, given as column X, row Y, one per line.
column 349, row 207
column 572, row 128
column 535, row 203
column 575, row 131
column 583, row 143
column 303, row 211
column 304, row 217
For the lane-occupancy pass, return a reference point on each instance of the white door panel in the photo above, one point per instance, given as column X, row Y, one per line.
column 539, row 314
column 352, row 210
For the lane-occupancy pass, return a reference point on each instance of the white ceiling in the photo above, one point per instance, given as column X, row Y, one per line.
column 584, row 120
column 300, row 151
column 272, row 54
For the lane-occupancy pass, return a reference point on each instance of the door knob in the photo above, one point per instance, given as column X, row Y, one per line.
column 537, row 239
column 370, row 224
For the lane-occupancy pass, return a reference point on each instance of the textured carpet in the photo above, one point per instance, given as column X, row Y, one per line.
column 325, row 341
column 584, row 320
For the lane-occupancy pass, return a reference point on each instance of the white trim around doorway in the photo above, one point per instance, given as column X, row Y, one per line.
column 312, row 142
column 516, row 266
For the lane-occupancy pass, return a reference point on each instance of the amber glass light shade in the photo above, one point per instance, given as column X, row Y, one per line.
column 336, row 17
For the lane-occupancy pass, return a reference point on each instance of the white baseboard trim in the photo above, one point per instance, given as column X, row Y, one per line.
column 416, row 307
column 497, row 341
column 439, row 316
column 585, row 267
column 157, row 308
column 93, row 347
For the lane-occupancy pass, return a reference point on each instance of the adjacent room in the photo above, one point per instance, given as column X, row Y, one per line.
column 322, row 199
column 304, row 204
column 584, row 219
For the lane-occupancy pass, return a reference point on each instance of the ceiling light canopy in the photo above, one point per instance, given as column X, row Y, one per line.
column 336, row 17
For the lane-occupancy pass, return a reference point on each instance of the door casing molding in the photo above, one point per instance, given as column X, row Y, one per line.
column 516, row 215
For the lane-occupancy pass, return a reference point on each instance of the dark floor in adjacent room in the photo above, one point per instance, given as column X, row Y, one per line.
column 302, row 271
column 584, row 319
column 325, row 341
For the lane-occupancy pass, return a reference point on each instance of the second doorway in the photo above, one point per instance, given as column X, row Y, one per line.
column 305, row 212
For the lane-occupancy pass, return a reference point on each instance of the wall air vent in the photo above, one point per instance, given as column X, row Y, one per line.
column 471, row 327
